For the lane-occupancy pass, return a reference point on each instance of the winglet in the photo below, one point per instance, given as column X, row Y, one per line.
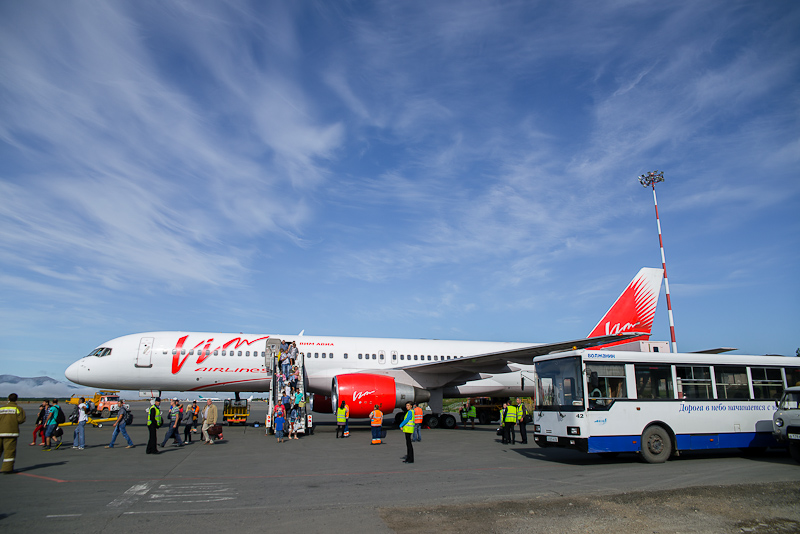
column 635, row 308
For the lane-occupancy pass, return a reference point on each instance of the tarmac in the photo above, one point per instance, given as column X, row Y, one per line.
column 247, row 482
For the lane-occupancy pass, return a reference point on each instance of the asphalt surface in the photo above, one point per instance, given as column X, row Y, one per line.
column 249, row 483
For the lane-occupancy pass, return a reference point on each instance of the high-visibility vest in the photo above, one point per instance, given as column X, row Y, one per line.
column 158, row 415
column 376, row 418
column 341, row 415
column 346, row 411
column 418, row 415
column 408, row 423
column 471, row 412
column 511, row 414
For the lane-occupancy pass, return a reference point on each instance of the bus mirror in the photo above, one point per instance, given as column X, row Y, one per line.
column 593, row 380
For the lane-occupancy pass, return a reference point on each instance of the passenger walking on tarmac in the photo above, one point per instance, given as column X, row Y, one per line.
column 11, row 416
column 51, row 430
column 174, row 424
column 187, row 419
column 509, row 421
column 119, row 427
column 376, row 422
column 417, row 423
column 524, row 418
column 153, row 424
column 280, row 424
column 407, row 426
column 209, row 420
column 79, row 436
column 41, row 419
column 195, row 411
column 341, row 419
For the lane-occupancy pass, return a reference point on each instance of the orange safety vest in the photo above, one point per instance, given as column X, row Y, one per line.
column 376, row 418
column 417, row 415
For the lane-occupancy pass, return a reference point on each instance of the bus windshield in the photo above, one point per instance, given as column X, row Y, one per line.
column 560, row 385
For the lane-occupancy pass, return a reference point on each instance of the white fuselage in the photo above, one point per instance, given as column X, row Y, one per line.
column 203, row 361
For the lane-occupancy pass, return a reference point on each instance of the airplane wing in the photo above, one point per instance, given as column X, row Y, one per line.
column 718, row 350
column 496, row 362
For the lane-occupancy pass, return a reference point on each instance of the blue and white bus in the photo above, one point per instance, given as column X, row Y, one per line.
column 658, row 404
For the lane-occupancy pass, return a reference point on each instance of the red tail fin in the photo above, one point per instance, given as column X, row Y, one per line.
column 635, row 308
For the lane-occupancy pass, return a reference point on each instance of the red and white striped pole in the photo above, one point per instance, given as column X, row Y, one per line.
column 650, row 179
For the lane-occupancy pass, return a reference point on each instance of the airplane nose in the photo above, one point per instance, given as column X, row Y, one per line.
column 72, row 372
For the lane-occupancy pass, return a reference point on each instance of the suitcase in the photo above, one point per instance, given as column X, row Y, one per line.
column 215, row 431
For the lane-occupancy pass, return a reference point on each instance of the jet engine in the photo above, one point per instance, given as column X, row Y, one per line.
column 363, row 391
column 321, row 403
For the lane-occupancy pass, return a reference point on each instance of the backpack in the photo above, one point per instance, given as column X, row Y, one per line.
column 60, row 418
column 73, row 417
column 128, row 417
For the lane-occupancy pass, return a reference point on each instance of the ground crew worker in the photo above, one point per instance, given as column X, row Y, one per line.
column 11, row 416
column 470, row 413
column 522, row 417
column 417, row 423
column 376, row 421
column 153, row 423
column 509, row 421
column 341, row 419
column 346, row 433
column 408, row 427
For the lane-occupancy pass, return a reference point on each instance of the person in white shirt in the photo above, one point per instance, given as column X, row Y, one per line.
column 79, row 438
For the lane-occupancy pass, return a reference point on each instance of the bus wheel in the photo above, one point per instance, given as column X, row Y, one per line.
column 794, row 450
column 656, row 445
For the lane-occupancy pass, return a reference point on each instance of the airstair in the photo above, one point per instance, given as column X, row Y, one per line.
column 277, row 387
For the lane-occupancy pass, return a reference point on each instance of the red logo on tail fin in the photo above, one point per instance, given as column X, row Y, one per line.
column 635, row 308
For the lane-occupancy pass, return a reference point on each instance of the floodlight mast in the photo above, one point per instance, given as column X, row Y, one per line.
column 650, row 179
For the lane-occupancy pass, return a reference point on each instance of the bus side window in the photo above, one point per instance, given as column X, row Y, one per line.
column 792, row 377
column 694, row 382
column 731, row 382
column 653, row 381
column 606, row 383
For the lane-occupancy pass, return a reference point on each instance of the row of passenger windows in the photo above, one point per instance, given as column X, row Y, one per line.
column 246, row 353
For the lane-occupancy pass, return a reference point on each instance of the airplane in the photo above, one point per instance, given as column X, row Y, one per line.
column 364, row 371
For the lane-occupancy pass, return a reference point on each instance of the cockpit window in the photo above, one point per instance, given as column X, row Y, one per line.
column 100, row 352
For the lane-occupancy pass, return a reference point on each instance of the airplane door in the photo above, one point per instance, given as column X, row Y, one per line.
column 144, row 358
column 273, row 348
column 394, row 357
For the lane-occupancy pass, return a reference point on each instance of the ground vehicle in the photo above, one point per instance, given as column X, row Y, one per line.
column 235, row 411
column 657, row 404
column 786, row 421
column 104, row 404
column 487, row 409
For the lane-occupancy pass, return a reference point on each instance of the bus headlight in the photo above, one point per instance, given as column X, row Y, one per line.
column 573, row 430
column 779, row 422
column 537, row 428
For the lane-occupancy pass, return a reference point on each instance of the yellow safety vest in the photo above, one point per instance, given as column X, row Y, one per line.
column 340, row 415
column 158, row 415
column 511, row 414
column 408, row 423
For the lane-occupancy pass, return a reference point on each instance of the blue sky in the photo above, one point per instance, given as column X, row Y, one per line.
column 463, row 170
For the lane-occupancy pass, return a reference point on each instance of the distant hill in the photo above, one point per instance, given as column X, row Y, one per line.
column 37, row 386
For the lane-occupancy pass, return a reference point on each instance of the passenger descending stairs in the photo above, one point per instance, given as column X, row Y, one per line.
column 272, row 355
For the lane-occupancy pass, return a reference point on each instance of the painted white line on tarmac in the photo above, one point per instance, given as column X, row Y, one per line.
column 133, row 494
